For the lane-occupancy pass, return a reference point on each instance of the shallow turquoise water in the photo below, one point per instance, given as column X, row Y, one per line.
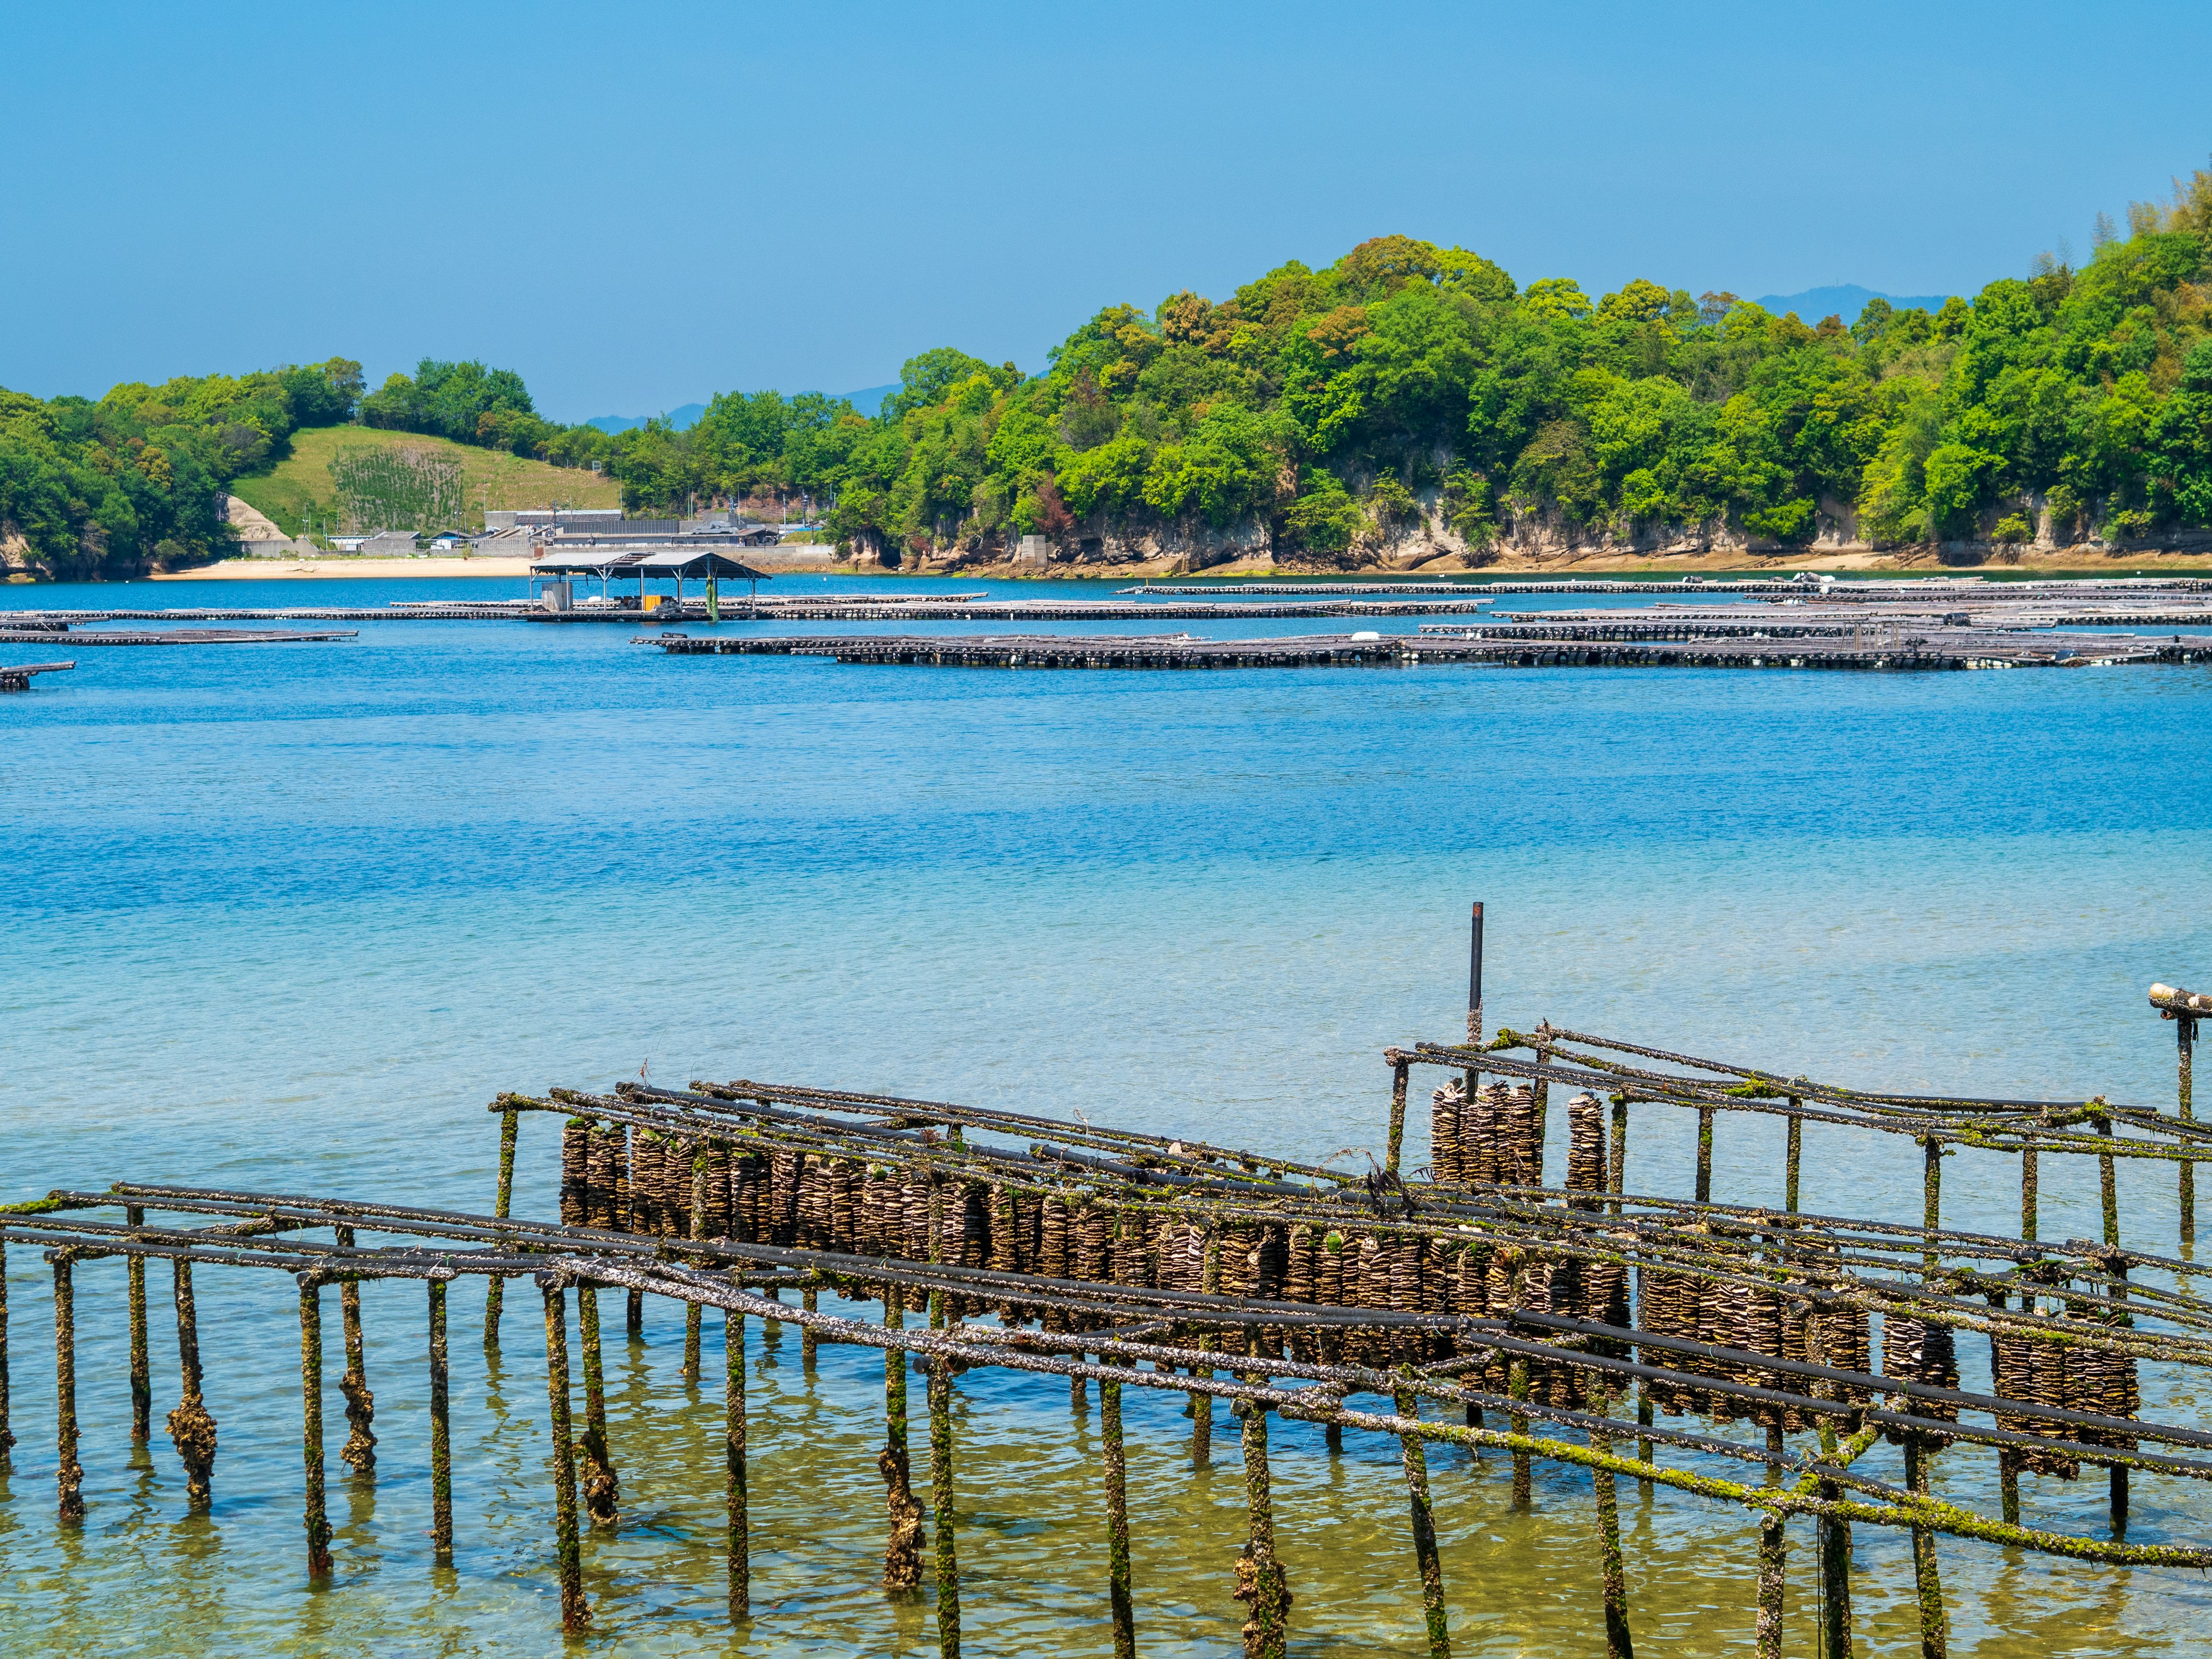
column 289, row 916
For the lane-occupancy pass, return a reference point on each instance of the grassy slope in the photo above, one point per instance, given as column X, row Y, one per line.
column 300, row 485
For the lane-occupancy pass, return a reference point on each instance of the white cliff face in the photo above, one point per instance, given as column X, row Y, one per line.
column 252, row 524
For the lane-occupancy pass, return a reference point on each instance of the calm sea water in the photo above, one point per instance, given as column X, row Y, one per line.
column 287, row 917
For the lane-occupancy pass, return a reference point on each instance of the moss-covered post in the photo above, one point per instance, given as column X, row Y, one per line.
column 1934, row 1637
column 142, row 1380
column 1412, row 1454
column 1773, row 1551
column 903, row 1550
column 2184, row 1033
column 2106, row 1178
column 1705, row 1154
column 1795, row 1159
column 809, row 1299
column 692, row 1311
column 1201, row 1405
column 2027, row 1193
column 316, row 1520
column 1117, row 1520
column 191, row 1426
column 360, row 1453
column 1517, row 1385
column 940, row 1503
column 736, row 1497
column 441, row 1438
column 1612, row 1575
column 1260, row 1585
column 1832, row 1534
column 1616, row 1165
column 634, row 1319
column 602, row 1487
column 502, row 1200
column 575, row 1614
column 7, row 1434
column 1397, row 1142
column 68, row 1473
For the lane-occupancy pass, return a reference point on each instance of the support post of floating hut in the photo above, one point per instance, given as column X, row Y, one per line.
column 1260, row 1581
column 602, row 1487
column 1117, row 1520
column 316, row 1520
column 359, row 1452
column 441, row 1439
column 575, row 1614
column 735, row 1496
column 1773, row 1551
column 68, row 1473
column 1414, row 1456
column 1934, row 1637
column 1391, row 1156
column 502, row 1200
column 940, row 1502
column 903, row 1551
column 192, row 1428
column 1613, row 1580
column 142, row 1381
column 1705, row 1154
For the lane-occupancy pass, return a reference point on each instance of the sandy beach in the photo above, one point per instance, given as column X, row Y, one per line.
column 262, row 570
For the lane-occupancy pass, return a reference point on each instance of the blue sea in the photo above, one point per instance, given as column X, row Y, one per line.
column 286, row 917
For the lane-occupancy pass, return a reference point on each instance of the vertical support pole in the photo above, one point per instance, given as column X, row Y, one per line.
column 1613, row 1578
column 69, row 1474
column 2119, row 1482
column 634, row 1319
column 190, row 1426
column 1260, row 1581
column 359, row 1452
column 903, row 1553
column 735, row 1495
column 1474, row 986
column 1644, row 1421
column 1517, row 1384
column 2106, row 1179
column 809, row 1299
column 2184, row 1033
column 1616, row 1170
column 1117, row 1520
column 1397, row 1143
column 502, row 1201
column 575, row 1615
column 1705, row 1154
column 2027, row 1193
column 441, row 1439
column 7, row 1434
column 1796, row 1157
column 692, row 1311
column 1414, row 1456
column 1931, row 1202
column 1201, row 1405
column 142, row 1381
column 1832, row 1534
column 602, row 1486
column 311, row 1423
column 940, row 1500
column 1933, row 1635
column 1773, row 1550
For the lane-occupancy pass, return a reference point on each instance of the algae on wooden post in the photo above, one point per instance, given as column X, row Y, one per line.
column 442, row 1443
column 1773, row 1549
column 1117, row 1520
column 903, row 1550
column 1414, row 1456
column 141, row 1381
column 316, row 1520
column 69, row 1474
column 575, row 1614
column 191, row 1427
column 360, row 1453
column 735, row 1497
column 1260, row 1583
column 601, row 1488
column 1613, row 1579
column 496, row 1291
column 940, row 1502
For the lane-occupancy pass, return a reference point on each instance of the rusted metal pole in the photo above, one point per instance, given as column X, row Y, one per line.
column 1397, row 1117
column 1773, row 1550
column 1260, row 1581
column 68, row 1473
column 316, row 1520
column 359, row 1452
column 1117, row 1521
column 735, row 1495
column 1613, row 1578
column 1412, row 1454
column 602, row 1486
column 940, row 1502
column 902, row 1552
column 1704, row 1155
column 441, row 1440
column 575, row 1614
column 503, row 1198
column 192, row 1428
column 1934, row 1634
column 142, row 1381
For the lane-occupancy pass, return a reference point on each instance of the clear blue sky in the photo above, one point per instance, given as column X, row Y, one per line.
column 636, row 206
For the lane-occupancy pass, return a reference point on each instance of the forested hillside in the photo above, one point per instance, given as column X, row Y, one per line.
column 1404, row 391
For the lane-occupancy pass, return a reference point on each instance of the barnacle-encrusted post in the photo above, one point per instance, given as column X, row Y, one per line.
column 311, row 1423
column 634, row 1319
column 1617, row 1159
column 1414, row 1456
column 1517, row 1385
column 1931, row 1199
column 1794, row 1157
column 2027, row 1193
column 441, row 1440
column 809, row 1299
column 1773, row 1550
column 1611, row 1574
column 2184, row 1034
column 1705, row 1154
column 1933, row 1635
column 692, row 1311
column 1397, row 1117
column 141, row 1381
column 1117, row 1520
column 735, row 1496
column 903, row 1553
column 575, row 1615
column 1260, row 1585
column 1201, row 1405
column 1833, row 1536
column 7, row 1434
column 191, row 1426
column 69, row 1474
column 359, row 1452
column 602, row 1486
column 2106, row 1178
column 940, row 1503
column 502, row 1200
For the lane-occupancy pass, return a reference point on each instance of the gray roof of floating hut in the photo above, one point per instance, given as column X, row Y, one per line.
column 665, row 564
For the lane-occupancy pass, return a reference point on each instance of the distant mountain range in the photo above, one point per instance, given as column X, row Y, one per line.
column 867, row 400
column 1844, row 300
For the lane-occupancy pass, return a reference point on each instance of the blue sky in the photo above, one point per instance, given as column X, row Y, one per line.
column 638, row 206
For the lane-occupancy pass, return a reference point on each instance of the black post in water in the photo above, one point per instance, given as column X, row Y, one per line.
column 1475, row 980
